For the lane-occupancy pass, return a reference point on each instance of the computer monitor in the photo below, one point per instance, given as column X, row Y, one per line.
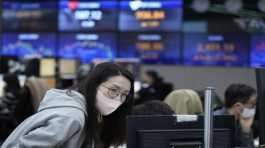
column 260, row 79
column 67, row 67
column 47, row 67
column 177, row 132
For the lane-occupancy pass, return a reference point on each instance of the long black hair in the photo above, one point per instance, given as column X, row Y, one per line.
column 112, row 127
column 238, row 92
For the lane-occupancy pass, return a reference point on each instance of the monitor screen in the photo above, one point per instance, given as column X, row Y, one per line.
column 257, row 48
column 47, row 67
column 174, row 132
column 67, row 67
column 216, row 49
column 29, row 44
column 163, row 48
column 29, row 16
column 87, row 16
column 260, row 80
column 87, row 47
column 150, row 15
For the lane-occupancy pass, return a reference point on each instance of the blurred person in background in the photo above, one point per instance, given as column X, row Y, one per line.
column 153, row 88
column 184, row 101
column 240, row 101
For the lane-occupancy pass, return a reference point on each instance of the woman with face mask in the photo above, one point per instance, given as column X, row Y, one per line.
column 93, row 110
column 240, row 101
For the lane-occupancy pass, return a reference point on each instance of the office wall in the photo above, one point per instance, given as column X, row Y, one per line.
column 200, row 77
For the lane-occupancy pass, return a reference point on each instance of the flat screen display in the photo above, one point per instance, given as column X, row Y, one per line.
column 29, row 44
column 151, row 48
column 29, row 16
column 87, row 16
column 257, row 55
column 67, row 67
column 150, row 15
column 216, row 49
column 47, row 67
column 87, row 47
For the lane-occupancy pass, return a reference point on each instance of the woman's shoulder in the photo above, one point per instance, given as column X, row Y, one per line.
column 59, row 101
column 65, row 112
column 41, row 126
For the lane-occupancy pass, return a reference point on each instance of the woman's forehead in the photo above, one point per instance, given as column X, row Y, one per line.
column 119, row 81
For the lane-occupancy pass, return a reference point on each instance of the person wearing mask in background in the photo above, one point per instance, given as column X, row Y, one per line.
column 93, row 110
column 184, row 101
column 153, row 88
column 240, row 101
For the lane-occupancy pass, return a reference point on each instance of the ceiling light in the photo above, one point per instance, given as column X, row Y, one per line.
column 200, row 5
column 233, row 6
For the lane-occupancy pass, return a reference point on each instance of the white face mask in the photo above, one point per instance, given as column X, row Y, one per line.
column 106, row 105
column 248, row 112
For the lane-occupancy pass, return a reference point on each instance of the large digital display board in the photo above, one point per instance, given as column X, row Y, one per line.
column 216, row 49
column 88, row 16
column 29, row 16
column 29, row 44
column 257, row 55
column 150, row 15
column 163, row 48
column 87, row 46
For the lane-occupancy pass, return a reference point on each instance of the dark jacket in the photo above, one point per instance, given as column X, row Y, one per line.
column 242, row 139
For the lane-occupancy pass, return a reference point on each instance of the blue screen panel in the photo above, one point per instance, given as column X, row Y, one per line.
column 216, row 50
column 161, row 48
column 88, row 16
column 87, row 47
column 257, row 54
column 29, row 44
column 150, row 15
column 29, row 16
